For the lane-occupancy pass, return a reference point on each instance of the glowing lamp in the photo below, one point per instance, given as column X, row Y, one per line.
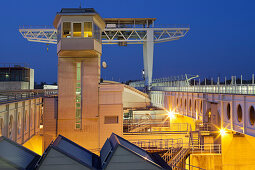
column 222, row 132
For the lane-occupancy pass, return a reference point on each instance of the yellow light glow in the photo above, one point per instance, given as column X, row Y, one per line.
column 171, row 114
column 222, row 132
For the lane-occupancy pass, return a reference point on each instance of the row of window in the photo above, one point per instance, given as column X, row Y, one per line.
column 239, row 112
column 196, row 105
column 19, row 123
column 85, row 29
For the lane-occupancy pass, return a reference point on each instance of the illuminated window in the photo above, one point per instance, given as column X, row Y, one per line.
column 78, row 97
column 25, row 121
column 111, row 119
column 87, row 29
column 1, row 126
column 66, row 30
column 10, row 126
column 19, row 123
column 76, row 29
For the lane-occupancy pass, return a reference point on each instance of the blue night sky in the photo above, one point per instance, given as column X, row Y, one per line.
column 220, row 42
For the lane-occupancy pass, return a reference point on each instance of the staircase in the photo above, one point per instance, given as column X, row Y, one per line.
column 179, row 157
column 195, row 138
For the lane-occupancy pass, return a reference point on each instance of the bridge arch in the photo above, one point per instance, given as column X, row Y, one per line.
column 228, row 111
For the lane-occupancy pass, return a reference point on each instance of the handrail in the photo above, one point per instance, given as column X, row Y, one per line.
column 17, row 95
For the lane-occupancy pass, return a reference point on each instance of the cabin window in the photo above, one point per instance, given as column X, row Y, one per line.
column 66, row 30
column 87, row 29
column 76, row 29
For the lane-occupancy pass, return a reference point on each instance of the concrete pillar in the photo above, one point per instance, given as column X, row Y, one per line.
column 148, row 48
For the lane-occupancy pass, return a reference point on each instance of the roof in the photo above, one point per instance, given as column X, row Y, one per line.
column 77, row 10
column 114, row 141
column 75, row 152
column 142, row 21
column 17, row 155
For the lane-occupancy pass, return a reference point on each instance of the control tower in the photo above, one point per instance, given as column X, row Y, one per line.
column 79, row 51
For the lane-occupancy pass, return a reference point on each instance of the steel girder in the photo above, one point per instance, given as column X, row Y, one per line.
column 110, row 36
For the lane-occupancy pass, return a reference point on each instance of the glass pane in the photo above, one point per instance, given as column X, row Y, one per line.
column 87, row 29
column 78, row 66
column 78, row 98
column 66, row 30
column 77, row 29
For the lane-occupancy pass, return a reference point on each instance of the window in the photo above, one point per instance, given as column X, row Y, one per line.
column 66, row 30
column 10, row 126
column 228, row 111
column 190, row 105
column 59, row 33
column 195, row 106
column 97, row 33
column 78, row 97
column 19, row 123
column 239, row 113
column 111, row 119
column 87, row 29
column 76, row 29
column 252, row 115
column 25, row 120
column 1, row 126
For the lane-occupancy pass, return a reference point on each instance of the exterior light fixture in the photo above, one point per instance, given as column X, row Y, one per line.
column 222, row 132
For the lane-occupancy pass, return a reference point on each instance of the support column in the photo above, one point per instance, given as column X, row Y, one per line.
column 148, row 48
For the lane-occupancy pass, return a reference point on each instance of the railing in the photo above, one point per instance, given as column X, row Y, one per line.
column 205, row 149
column 150, row 127
column 17, row 95
column 205, row 127
column 37, row 27
column 158, row 144
column 248, row 89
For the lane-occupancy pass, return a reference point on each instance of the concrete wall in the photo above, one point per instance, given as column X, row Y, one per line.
column 110, row 104
column 207, row 161
column 87, row 136
column 238, row 152
column 198, row 106
column 14, row 85
column 49, row 121
column 133, row 98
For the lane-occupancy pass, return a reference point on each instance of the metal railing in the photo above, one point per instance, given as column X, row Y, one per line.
column 158, row 144
column 37, row 27
column 206, row 149
column 149, row 127
column 246, row 89
column 17, row 95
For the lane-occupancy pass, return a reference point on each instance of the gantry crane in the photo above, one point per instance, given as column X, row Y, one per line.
column 121, row 31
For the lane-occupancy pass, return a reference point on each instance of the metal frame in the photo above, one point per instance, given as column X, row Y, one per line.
column 109, row 36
